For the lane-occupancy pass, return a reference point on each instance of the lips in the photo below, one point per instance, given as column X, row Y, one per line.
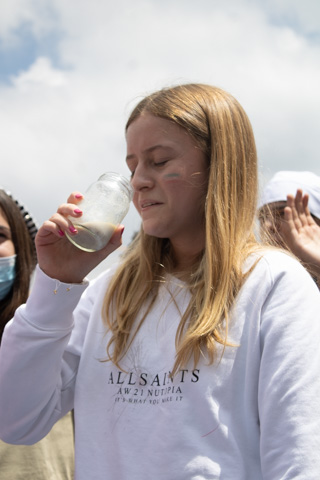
column 148, row 203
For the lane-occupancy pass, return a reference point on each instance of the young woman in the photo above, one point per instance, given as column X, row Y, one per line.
column 17, row 256
column 53, row 457
column 197, row 357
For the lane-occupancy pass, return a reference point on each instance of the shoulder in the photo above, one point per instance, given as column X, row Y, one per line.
column 278, row 298
column 278, row 275
column 273, row 264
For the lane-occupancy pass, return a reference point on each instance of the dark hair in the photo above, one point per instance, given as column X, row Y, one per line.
column 23, row 231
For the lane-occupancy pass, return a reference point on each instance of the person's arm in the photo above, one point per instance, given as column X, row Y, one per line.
column 301, row 233
column 289, row 380
column 37, row 372
column 36, row 375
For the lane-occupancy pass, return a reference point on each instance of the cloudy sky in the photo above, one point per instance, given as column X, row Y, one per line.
column 71, row 70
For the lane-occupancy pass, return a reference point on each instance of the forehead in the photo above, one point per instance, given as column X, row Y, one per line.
column 274, row 205
column 148, row 130
column 3, row 219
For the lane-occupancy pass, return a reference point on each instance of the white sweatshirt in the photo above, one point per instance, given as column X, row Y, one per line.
column 254, row 414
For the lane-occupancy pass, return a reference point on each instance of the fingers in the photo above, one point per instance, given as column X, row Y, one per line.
column 298, row 219
column 69, row 209
column 63, row 222
column 301, row 203
column 294, row 217
column 305, row 201
column 75, row 197
column 291, row 216
column 115, row 241
column 288, row 216
column 288, row 229
column 55, row 226
column 297, row 209
column 63, row 218
column 66, row 212
column 60, row 222
column 298, row 201
column 116, row 238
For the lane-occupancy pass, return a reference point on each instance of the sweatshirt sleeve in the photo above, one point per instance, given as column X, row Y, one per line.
column 36, row 371
column 289, row 379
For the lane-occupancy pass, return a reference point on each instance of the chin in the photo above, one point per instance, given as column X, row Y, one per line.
column 153, row 229
column 154, row 232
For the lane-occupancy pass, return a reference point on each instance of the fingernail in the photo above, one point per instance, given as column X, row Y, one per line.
column 122, row 230
column 61, row 233
column 78, row 195
column 77, row 210
column 72, row 229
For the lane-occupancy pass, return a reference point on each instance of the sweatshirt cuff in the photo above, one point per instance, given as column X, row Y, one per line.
column 51, row 302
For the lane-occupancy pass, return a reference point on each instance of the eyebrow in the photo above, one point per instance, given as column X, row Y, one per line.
column 5, row 229
column 150, row 150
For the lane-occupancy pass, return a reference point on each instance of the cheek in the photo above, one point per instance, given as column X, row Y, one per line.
column 169, row 177
column 171, row 184
column 171, row 181
column 270, row 225
column 191, row 191
column 135, row 201
column 7, row 249
column 174, row 189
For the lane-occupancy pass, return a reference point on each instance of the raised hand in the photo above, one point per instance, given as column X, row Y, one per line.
column 57, row 256
column 300, row 231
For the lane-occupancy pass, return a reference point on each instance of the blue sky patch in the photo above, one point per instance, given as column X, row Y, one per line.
column 26, row 50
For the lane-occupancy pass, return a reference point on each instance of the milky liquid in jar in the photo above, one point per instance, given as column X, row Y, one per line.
column 105, row 204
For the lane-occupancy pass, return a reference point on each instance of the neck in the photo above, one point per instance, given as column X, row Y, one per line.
column 186, row 256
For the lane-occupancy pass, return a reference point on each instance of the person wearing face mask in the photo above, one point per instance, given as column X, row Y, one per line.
column 7, row 274
column 17, row 256
column 52, row 457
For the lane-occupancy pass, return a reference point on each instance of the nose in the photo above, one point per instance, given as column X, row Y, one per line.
column 272, row 225
column 269, row 224
column 142, row 178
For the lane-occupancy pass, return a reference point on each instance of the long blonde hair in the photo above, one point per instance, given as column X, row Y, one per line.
column 223, row 132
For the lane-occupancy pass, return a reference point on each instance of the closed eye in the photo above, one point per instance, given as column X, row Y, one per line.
column 5, row 233
column 3, row 238
column 159, row 164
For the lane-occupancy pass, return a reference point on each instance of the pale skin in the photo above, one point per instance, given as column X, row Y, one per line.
column 6, row 244
column 169, row 178
column 301, row 232
column 295, row 228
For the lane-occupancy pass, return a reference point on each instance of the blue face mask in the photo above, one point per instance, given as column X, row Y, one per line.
column 7, row 274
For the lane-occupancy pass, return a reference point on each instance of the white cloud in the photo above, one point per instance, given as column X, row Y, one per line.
column 40, row 74
column 63, row 126
column 37, row 15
